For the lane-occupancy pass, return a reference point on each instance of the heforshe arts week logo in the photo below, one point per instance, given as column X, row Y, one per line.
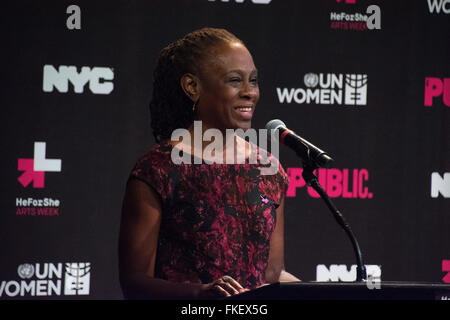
column 353, row 17
column 34, row 169
column 31, row 177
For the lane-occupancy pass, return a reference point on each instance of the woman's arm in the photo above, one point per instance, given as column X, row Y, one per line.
column 275, row 271
column 139, row 230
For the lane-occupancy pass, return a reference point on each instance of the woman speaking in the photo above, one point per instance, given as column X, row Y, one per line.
column 208, row 230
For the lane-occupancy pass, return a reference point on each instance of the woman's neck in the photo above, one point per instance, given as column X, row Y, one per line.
column 214, row 146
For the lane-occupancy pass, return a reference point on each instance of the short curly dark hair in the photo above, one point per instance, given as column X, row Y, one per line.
column 170, row 107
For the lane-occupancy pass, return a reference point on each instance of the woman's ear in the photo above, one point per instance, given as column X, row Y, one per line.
column 191, row 86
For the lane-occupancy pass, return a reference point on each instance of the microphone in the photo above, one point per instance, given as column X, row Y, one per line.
column 308, row 152
column 312, row 158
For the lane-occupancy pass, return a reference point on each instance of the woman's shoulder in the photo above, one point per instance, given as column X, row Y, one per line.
column 156, row 154
column 153, row 166
column 155, row 160
column 270, row 166
column 267, row 159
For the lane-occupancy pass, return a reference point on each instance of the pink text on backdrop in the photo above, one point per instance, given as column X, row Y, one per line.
column 345, row 183
column 446, row 268
column 434, row 87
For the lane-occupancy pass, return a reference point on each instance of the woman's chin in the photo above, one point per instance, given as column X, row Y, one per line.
column 244, row 125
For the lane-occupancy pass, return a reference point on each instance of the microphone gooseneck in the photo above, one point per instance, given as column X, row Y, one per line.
column 314, row 158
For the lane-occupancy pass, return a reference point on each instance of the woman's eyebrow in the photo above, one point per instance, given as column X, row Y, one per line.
column 242, row 71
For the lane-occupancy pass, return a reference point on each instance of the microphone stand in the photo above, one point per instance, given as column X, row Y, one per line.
column 311, row 180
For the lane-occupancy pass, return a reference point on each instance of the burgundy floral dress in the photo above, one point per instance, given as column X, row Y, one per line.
column 217, row 219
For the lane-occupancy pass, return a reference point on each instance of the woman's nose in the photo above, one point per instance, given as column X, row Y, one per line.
column 250, row 91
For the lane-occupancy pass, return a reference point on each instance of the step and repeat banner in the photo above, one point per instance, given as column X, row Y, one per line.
column 367, row 81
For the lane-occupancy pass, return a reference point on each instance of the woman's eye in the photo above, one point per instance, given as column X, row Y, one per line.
column 236, row 80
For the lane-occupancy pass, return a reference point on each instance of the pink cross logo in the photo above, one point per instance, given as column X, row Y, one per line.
column 34, row 169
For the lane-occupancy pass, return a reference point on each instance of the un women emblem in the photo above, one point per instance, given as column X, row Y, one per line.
column 311, row 80
column 25, row 271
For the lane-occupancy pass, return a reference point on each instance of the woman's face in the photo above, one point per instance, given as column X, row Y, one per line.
column 229, row 88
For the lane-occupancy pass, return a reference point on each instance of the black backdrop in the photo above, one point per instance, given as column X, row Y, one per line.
column 396, row 145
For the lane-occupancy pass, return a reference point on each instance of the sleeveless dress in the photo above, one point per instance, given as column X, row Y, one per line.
column 217, row 219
